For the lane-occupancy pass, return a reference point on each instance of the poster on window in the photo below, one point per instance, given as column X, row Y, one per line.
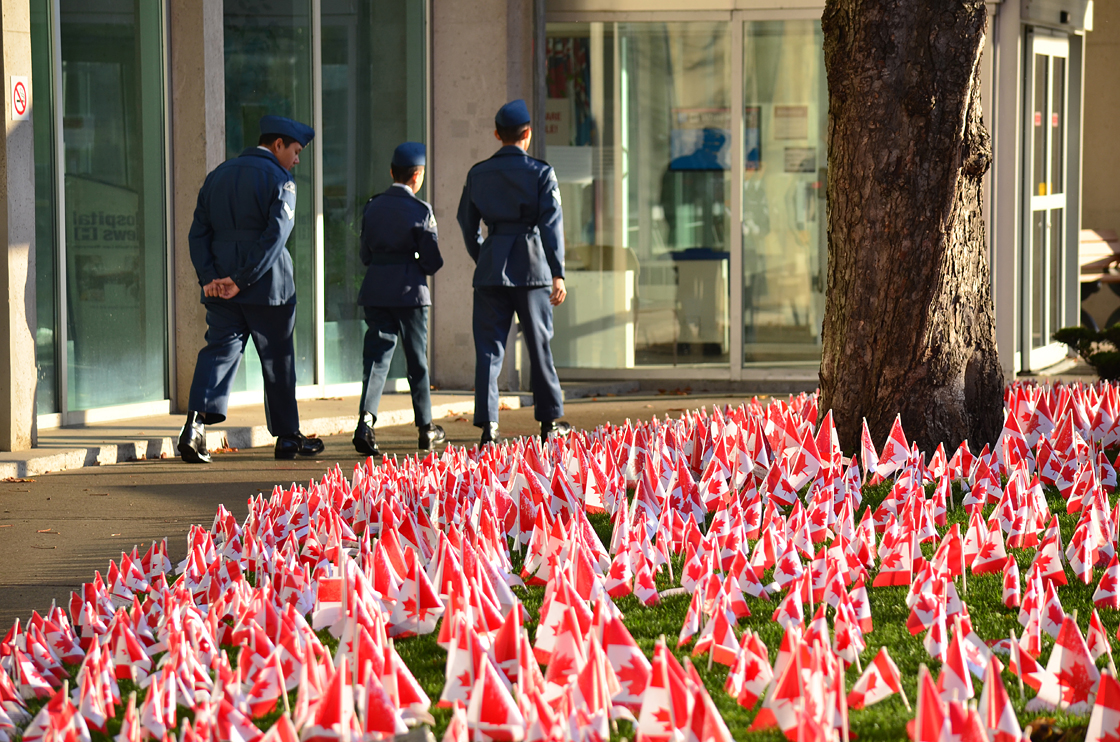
column 700, row 139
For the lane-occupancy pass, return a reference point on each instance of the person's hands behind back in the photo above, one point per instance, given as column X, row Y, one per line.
column 222, row 288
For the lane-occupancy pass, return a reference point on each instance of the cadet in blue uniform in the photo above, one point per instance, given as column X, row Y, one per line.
column 245, row 213
column 400, row 249
column 519, row 268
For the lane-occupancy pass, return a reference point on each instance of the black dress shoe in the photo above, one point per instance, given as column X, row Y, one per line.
column 490, row 434
column 365, row 442
column 430, row 436
column 554, row 429
column 192, row 440
column 287, row 446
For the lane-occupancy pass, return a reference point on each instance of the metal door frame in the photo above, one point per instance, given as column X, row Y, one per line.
column 1049, row 353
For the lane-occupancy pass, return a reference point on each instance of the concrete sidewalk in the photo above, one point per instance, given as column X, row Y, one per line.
column 156, row 437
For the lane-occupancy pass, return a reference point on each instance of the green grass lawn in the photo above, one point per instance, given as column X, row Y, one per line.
column 884, row 721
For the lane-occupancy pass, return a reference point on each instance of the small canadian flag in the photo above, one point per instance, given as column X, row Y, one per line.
column 880, row 680
column 1104, row 723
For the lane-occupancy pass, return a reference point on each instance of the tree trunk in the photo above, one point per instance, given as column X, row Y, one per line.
column 909, row 326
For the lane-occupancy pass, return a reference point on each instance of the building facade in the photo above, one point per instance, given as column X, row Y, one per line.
column 689, row 138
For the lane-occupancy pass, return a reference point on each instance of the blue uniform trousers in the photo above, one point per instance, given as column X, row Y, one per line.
column 385, row 324
column 229, row 326
column 494, row 307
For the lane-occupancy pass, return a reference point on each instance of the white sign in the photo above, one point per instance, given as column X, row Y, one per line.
column 21, row 99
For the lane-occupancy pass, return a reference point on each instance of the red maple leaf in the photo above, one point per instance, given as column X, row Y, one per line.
column 857, row 605
column 872, row 681
column 751, row 671
column 561, row 666
column 409, row 606
column 661, row 716
column 843, row 640
column 1108, row 583
column 464, row 679
column 633, row 676
column 1076, row 683
column 1043, row 563
column 891, row 560
column 986, row 552
column 1055, row 614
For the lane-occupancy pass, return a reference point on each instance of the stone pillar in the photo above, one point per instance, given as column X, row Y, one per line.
column 1100, row 201
column 17, row 223
column 198, row 145
column 481, row 58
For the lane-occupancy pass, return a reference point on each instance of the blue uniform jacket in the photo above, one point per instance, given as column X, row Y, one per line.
column 400, row 248
column 246, row 209
column 518, row 198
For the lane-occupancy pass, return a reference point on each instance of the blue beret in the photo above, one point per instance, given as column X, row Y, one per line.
column 514, row 113
column 409, row 154
column 281, row 126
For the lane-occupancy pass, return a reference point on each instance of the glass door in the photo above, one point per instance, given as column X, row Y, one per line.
column 101, row 209
column 785, row 249
column 1044, row 212
column 638, row 128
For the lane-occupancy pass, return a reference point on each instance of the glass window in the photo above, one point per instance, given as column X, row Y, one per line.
column 638, row 128
column 1038, row 278
column 46, row 181
column 785, row 250
column 268, row 70
column 1057, row 123
column 1057, row 255
column 113, row 121
column 1041, row 127
column 366, row 114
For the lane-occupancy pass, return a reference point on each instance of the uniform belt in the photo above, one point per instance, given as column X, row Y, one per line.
column 392, row 258
column 238, row 235
column 512, row 229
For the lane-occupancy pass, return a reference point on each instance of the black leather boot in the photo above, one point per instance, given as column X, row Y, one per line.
column 554, row 429
column 287, row 446
column 192, row 440
column 490, row 434
column 365, row 442
column 431, row 435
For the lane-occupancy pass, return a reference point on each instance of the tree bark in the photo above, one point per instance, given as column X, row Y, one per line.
column 909, row 326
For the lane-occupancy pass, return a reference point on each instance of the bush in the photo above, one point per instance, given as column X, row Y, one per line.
column 1100, row 349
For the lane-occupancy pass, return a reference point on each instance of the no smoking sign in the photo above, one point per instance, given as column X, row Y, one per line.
column 21, row 98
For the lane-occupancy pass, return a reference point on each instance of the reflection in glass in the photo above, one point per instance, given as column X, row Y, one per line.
column 112, row 98
column 1057, row 123
column 1038, row 279
column 268, row 70
column 366, row 114
column 638, row 129
column 784, row 242
column 1055, row 270
column 45, row 218
column 1041, row 186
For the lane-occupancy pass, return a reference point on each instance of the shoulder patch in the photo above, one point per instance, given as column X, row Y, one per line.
column 290, row 186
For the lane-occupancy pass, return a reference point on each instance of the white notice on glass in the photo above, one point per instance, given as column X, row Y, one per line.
column 791, row 122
